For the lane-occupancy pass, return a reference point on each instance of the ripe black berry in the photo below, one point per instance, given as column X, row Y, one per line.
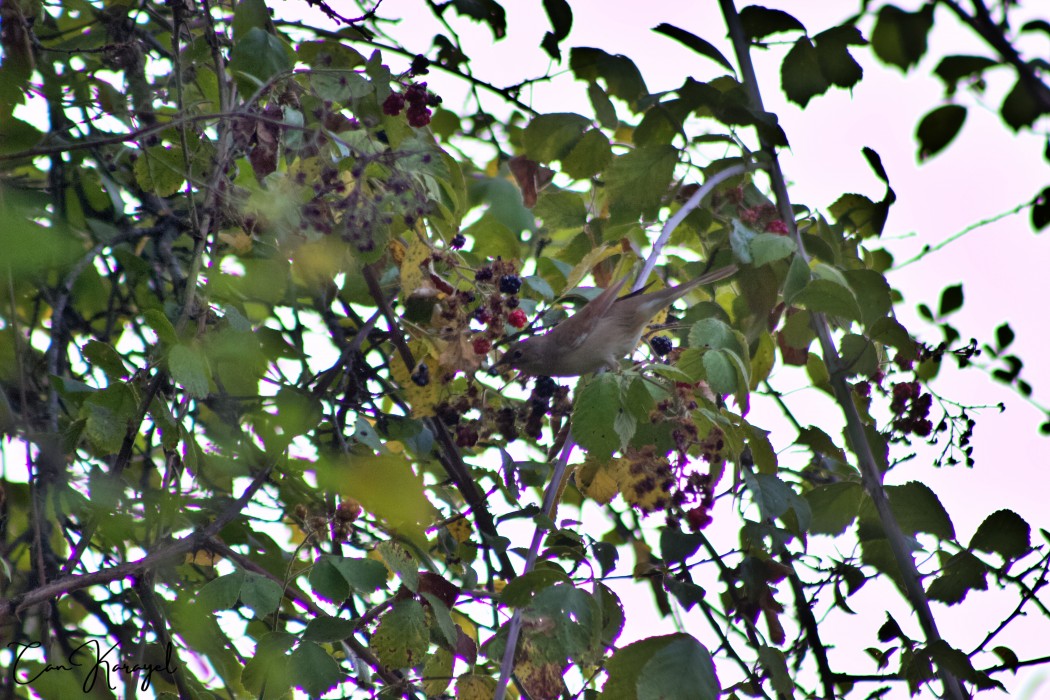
column 458, row 241
column 509, row 284
column 422, row 374
column 545, row 387
column 483, row 274
column 661, row 345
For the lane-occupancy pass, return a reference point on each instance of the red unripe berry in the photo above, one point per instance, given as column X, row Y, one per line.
column 698, row 518
column 777, row 226
column 517, row 318
column 482, row 346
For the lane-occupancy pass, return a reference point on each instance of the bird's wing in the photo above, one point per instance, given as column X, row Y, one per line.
column 573, row 331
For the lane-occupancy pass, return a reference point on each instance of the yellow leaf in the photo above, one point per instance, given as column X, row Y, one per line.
column 474, row 687
column 240, row 241
column 413, row 276
column 422, row 399
column 397, row 251
column 203, row 557
column 599, row 480
column 584, row 267
column 465, row 624
column 460, row 529
column 387, row 487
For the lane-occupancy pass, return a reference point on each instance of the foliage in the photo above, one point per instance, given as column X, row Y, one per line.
column 253, row 272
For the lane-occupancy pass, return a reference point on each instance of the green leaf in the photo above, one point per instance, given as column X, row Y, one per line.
column 938, row 128
column 551, row 137
column 676, row 546
column 561, row 210
column 401, row 562
column 701, row 46
column 740, row 237
column 597, row 406
column 492, row 238
column 314, row 670
column 719, row 372
column 560, row 15
column 189, row 368
column 106, row 358
column 260, row 594
column 160, row 170
column 671, row 667
column 774, row 497
column 800, row 75
column 962, row 573
column 760, row 22
column 954, row 68
column 489, row 12
column 769, row 247
column 1004, row 532
column 899, row 37
column 834, row 506
column 951, row 300
column 1041, row 210
column 889, row 330
column 916, row 508
column 589, row 156
column 622, row 78
column 858, row 356
column 248, row 15
column 872, row 293
column 836, row 64
column 221, row 593
column 269, row 670
column 1020, row 108
column 108, row 413
column 402, row 638
column 827, row 296
column 798, row 277
column 688, row 594
column 604, row 109
column 712, row 333
column 636, row 182
column 258, row 57
column 325, row 629
column 520, row 592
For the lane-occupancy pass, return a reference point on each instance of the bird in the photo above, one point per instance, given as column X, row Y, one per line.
column 599, row 335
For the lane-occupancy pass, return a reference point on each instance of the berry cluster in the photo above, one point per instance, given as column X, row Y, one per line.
column 417, row 98
column 548, row 397
column 499, row 305
column 911, row 409
column 340, row 523
column 761, row 216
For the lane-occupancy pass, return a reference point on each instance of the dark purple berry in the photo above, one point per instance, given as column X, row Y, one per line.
column 422, row 374
column 483, row 275
column 458, row 241
column 420, row 65
column 509, row 284
column 418, row 116
column 393, row 104
column 661, row 345
column 545, row 387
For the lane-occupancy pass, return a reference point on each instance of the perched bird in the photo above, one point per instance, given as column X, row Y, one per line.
column 600, row 334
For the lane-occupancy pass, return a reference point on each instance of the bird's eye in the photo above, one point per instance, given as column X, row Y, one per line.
column 516, row 355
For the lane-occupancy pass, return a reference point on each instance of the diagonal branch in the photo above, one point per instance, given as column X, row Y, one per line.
column 860, row 445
